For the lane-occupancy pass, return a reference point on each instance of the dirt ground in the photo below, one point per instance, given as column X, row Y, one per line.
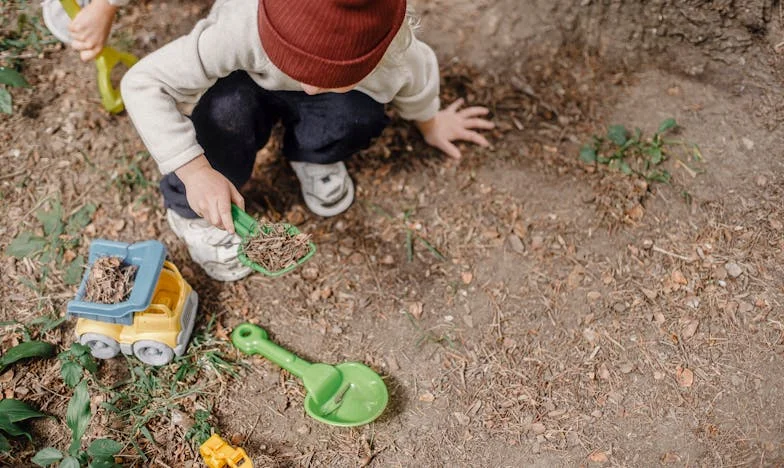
column 581, row 317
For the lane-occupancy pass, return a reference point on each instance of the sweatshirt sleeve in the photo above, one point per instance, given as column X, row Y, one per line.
column 418, row 99
column 180, row 72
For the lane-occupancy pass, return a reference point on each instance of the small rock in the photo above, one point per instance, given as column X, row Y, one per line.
column 340, row 226
column 597, row 414
column 590, row 335
column 761, row 180
column 356, row 258
column 310, row 273
column 747, row 143
column 387, row 260
column 303, row 430
column 427, row 397
column 733, row 269
column 626, row 367
column 619, row 307
column 720, row 273
column 647, row 244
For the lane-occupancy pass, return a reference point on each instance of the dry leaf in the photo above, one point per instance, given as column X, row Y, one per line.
column 603, row 372
column 467, row 277
column 678, row 278
column 689, row 328
column 462, row 419
column 415, row 309
column 670, row 457
column 598, row 457
column 684, row 376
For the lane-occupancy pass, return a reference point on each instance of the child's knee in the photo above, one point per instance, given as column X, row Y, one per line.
column 226, row 110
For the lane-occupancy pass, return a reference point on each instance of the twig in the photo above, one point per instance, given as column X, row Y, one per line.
column 674, row 255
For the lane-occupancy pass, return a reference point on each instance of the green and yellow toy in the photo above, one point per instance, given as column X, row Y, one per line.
column 106, row 60
column 155, row 322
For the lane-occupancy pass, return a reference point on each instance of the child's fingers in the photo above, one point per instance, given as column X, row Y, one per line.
column 479, row 123
column 87, row 55
column 224, row 213
column 237, row 198
column 455, row 105
column 79, row 44
column 475, row 111
column 450, row 149
column 474, row 137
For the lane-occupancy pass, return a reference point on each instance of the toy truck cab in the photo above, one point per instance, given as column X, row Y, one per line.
column 155, row 322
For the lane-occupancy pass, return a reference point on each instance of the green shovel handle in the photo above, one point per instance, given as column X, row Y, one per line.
column 104, row 63
column 252, row 339
column 244, row 224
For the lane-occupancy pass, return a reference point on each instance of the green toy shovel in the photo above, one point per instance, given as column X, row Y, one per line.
column 349, row 394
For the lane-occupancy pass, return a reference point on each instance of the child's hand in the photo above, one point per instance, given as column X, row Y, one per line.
column 91, row 27
column 452, row 124
column 209, row 193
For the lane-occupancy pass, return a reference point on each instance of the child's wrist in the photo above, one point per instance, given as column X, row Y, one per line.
column 193, row 166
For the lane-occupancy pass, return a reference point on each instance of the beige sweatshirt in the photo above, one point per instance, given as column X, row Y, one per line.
column 228, row 40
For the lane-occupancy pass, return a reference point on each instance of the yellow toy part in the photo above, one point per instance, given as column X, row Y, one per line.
column 106, row 60
column 157, row 334
column 217, row 453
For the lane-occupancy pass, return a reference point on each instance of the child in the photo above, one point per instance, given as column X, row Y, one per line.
column 324, row 68
column 88, row 31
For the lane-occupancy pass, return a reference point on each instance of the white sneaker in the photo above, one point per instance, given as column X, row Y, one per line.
column 215, row 250
column 327, row 188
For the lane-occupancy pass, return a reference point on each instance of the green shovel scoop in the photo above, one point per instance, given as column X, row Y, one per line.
column 349, row 394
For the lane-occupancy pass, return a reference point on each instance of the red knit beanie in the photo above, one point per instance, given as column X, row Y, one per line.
column 328, row 43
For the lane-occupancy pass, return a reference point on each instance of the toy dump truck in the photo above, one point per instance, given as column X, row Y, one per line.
column 156, row 320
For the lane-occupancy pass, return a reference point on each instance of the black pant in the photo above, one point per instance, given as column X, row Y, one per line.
column 234, row 118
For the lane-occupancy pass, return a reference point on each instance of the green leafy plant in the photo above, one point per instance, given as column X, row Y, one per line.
column 59, row 236
column 13, row 412
column 74, row 361
column 99, row 454
column 411, row 230
column 130, row 178
column 10, row 78
column 630, row 153
column 201, row 429
column 25, row 350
